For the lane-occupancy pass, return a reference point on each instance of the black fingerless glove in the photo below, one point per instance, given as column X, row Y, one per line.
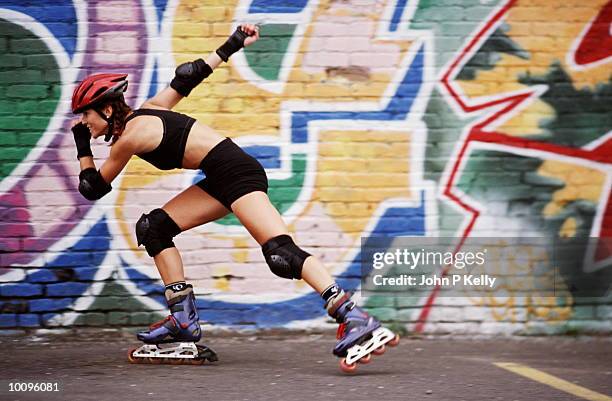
column 82, row 137
column 232, row 45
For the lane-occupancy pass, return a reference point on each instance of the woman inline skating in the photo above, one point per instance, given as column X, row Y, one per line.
column 235, row 183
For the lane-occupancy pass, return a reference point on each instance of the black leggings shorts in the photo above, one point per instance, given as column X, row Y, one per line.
column 231, row 173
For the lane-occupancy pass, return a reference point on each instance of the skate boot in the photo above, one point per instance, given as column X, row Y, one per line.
column 181, row 328
column 359, row 335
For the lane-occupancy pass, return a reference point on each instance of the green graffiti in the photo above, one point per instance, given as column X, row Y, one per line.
column 115, row 306
column 511, row 187
column 592, row 286
column 452, row 23
column 581, row 115
column 265, row 57
column 490, row 53
column 443, row 131
column 282, row 193
column 492, row 177
column 30, row 88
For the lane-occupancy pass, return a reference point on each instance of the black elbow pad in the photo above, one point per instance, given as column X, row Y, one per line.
column 189, row 75
column 91, row 184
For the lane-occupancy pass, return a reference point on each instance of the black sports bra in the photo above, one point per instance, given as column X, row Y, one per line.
column 171, row 150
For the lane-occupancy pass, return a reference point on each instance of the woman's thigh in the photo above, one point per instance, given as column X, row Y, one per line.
column 194, row 207
column 259, row 216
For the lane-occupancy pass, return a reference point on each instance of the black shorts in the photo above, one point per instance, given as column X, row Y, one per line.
column 231, row 173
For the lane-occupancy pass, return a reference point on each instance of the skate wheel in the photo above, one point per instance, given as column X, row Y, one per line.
column 206, row 354
column 177, row 361
column 380, row 350
column 366, row 359
column 196, row 361
column 347, row 368
column 395, row 341
column 154, row 361
column 131, row 358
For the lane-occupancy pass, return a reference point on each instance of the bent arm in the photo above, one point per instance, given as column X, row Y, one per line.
column 87, row 162
column 94, row 184
column 169, row 97
column 189, row 75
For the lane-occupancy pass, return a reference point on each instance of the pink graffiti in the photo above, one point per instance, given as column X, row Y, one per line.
column 43, row 206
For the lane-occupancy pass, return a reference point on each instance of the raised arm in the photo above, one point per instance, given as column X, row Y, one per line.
column 190, row 74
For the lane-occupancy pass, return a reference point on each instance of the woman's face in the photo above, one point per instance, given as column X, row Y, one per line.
column 96, row 124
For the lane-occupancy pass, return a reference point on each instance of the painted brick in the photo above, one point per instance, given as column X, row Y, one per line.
column 383, row 314
column 604, row 312
column 27, row 91
column 340, row 69
column 93, row 319
column 28, row 320
column 85, row 273
column 407, row 315
column 9, row 245
column 118, row 318
column 8, row 320
column 49, row 304
column 21, row 290
column 584, row 312
column 66, row 289
column 143, row 318
column 11, row 60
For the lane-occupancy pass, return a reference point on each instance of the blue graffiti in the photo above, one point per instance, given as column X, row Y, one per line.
column 58, row 283
column 395, row 221
column 398, row 108
column 398, row 11
column 277, row 6
column 160, row 8
column 59, row 17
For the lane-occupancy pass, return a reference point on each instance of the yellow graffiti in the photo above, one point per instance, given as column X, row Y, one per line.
column 530, row 289
column 234, row 106
column 547, row 32
column 580, row 183
column 358, row 170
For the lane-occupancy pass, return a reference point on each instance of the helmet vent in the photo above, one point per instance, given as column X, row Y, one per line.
column 84, row 92
column 99, row 92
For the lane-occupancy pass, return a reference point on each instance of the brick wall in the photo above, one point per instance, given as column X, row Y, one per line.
column 456, row 118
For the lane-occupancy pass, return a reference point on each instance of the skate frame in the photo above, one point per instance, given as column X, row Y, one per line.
column 380, row 337
column 181, row 350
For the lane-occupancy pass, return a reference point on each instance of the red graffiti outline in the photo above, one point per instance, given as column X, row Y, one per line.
column 478, row 133
column 596, row 39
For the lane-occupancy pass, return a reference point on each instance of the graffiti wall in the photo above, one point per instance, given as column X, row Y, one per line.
column 461, row 118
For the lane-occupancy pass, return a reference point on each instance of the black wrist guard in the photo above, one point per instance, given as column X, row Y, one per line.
column 82, row 137
column 234, row 43
column 91, row 184
column 189, row 75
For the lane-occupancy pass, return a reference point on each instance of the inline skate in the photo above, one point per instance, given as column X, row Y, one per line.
column 180, row 330
column 359, row 335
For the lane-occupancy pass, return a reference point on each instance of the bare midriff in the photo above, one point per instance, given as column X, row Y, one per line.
column 201, row 140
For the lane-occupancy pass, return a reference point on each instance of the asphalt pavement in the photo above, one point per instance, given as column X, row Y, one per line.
column 300, row 366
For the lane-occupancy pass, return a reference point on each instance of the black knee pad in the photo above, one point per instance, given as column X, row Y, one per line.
column 284, row 258
column 155, row 231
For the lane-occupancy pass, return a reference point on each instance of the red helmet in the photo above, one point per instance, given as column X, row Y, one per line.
column 98, row 88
